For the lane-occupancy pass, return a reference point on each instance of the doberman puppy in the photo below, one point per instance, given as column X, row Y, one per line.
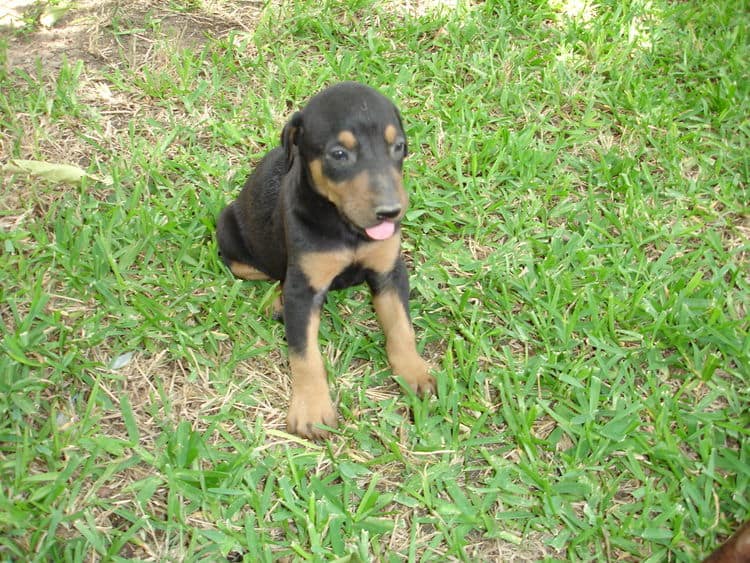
column 323, row 212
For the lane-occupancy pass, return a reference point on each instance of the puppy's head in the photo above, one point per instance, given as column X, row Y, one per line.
column 352, row 145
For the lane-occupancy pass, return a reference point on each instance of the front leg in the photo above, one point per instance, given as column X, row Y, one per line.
column 310, row 405
column 391, row 301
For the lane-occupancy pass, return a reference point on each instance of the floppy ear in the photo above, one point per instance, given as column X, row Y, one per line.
column 401, row 125
column 290, row 137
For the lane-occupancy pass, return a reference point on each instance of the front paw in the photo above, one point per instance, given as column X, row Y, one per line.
column 308, row 412
column 416, row 374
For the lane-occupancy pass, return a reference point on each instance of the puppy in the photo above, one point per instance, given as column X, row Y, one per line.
column 323, row 211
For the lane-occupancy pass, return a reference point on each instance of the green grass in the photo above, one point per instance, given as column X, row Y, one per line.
column 578, row 241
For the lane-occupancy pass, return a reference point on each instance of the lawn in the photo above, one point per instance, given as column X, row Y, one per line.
column 578, row 247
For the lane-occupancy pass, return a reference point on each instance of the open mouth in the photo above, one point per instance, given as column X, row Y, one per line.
column 381, row 231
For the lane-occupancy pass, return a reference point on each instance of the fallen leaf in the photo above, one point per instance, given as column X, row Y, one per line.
column 52, row 171
column 121, row 361
column 52, row 14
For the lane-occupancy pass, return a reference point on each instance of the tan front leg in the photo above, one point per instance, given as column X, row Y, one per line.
column 311, row 404
column 308, row 278
column 400, row 343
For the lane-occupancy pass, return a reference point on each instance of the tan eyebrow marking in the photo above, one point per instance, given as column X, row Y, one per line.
column 348, row 140
column 390, row 134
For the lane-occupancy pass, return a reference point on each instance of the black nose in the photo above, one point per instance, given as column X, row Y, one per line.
column 387, row 211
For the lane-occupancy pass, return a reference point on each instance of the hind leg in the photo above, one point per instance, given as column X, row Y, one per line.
column 277, row 308
column 231, row 249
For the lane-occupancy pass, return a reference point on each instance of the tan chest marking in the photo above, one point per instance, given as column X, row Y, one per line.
column 379, row 256
column 321, row 268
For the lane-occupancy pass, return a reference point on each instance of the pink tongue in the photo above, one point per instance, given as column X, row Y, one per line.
column 382, row 231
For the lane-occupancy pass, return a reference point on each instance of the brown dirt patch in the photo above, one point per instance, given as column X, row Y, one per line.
column 107, row 32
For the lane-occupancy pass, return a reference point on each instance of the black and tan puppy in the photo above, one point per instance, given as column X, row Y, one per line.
column 322, row 212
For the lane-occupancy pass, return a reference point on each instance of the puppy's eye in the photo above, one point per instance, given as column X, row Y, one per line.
column 398, row 148
column 339, row 154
